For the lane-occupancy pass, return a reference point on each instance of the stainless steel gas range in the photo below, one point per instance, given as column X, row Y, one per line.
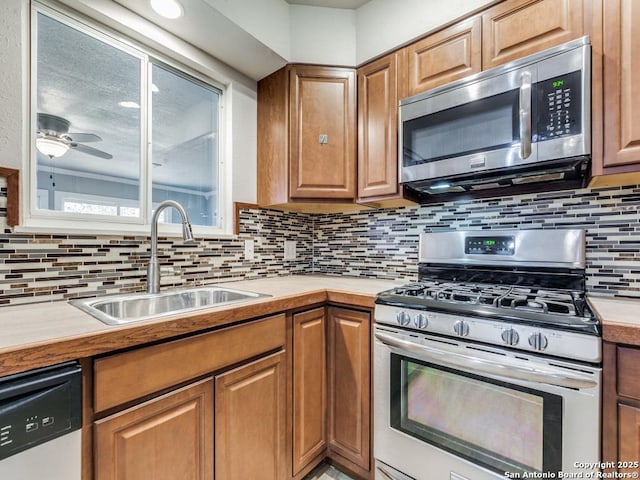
column 490, row 365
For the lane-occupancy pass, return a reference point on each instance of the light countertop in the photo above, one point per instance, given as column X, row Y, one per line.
column 36, row 335
column 620, row 318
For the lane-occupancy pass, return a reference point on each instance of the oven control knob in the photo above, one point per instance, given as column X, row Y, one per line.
column 403, row 318
column 420, row 321
column 538, row 341
column 461, row 328
column 510, row 337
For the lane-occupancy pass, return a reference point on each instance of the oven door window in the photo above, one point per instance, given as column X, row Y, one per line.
column 482, row 125
column 501, row 426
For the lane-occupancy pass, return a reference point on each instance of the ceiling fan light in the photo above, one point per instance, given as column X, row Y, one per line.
column 50, row 147
column 167, row 8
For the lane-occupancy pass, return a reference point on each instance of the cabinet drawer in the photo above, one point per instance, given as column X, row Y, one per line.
column 126, row 376
column 628, row 372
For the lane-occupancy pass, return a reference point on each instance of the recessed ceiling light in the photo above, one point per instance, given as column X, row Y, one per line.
column 167, row 8
column 129, row 104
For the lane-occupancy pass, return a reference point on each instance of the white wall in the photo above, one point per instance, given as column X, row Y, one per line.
column 266, row 20
column 325, row 36
column 382, row 25
column 13, row 75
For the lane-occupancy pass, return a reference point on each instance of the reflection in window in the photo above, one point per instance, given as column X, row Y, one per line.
column 77, row 105
column 93, row 123
column 184, row 144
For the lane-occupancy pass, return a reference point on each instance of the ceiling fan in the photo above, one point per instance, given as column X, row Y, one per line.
column 54, row 140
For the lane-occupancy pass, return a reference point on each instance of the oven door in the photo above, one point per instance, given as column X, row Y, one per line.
column 446, row 409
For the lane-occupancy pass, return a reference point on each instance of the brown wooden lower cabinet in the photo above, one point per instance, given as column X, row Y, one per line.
column 309, row 387
column 166, row 438
column 349, row 384
column 273, row 417
column 250, row 414
column 621, row 408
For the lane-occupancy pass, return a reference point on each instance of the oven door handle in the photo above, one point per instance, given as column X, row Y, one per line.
column 509, row 370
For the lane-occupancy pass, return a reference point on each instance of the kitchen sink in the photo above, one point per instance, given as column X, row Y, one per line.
column 122, row 309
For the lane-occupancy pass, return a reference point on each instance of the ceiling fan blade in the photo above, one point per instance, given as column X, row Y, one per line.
column 82, row 137
column 91, row 151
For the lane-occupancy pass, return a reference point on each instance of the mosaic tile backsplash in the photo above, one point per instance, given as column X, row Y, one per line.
column 384, row 243
column 373, row 244
column 37, row 268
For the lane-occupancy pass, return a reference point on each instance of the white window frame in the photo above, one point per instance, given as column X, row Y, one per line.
column 37, row 220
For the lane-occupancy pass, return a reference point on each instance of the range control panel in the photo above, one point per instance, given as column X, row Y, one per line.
column 499, row 245
column 558, row 107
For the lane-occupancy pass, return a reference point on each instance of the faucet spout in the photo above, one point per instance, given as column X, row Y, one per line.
column 153, row 268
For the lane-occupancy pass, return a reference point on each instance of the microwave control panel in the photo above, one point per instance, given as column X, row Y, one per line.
column 558, row 105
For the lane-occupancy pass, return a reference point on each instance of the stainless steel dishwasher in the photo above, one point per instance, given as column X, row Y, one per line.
column 40, row 420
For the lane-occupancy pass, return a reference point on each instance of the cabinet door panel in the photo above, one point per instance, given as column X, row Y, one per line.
column 621, row 76
column 349, row 385
column 629, row 432
column 515, row 29
column 378, row 128
column 448, row 55
column 628, row 380
column 322, row 138
column 309, row 387
column 250, row 421
column 166, row 438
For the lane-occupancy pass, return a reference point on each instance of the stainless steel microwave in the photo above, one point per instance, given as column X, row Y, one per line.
column 521, row 127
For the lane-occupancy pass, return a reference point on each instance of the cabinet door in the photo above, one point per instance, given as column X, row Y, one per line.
column 517, row 28
column 621, row 76
column 349, row 385
column 165, row 438
column 309, row 387
column 448, row 55
column 250, row 421
column 378, row 128
column 629, row 436
column 322, row 132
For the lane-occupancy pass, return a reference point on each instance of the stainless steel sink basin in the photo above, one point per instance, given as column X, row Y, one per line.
column 121, row 309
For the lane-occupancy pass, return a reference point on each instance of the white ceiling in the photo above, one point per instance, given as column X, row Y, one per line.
column 349, row 4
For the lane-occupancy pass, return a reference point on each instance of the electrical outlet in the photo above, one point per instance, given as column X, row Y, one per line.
column 248, row 249
column 289, row 250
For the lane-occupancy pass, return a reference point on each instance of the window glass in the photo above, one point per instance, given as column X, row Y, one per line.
column 90, row 136
column 118, row 132
column 184, row 143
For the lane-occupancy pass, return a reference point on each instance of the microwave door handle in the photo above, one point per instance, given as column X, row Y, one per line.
column 525, row 115
column 509, row 369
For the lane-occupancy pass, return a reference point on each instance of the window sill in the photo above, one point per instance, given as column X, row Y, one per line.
column 116, row 230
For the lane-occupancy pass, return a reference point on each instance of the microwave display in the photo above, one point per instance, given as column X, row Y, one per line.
column 558, row 101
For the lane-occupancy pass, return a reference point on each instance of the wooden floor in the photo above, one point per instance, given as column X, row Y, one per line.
column 327, row 472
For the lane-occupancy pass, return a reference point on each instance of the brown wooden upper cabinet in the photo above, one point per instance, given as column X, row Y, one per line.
column 621, row 39
column 445, row 56
column 517, row 28
column 380, row 86
column 306, row 135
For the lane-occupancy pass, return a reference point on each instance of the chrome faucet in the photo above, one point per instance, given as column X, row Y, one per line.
column 153, row 269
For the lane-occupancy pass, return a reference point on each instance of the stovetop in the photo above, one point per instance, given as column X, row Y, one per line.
column 546, row 308
column 518, row 289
